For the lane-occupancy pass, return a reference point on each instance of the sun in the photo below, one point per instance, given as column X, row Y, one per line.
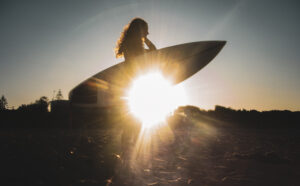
column 151, row 98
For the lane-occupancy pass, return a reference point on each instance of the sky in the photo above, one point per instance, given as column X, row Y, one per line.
column 51, row 45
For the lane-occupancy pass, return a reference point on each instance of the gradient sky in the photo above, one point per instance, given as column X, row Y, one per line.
column 51, row 45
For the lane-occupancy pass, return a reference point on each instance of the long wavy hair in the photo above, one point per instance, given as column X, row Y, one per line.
column 131, row 37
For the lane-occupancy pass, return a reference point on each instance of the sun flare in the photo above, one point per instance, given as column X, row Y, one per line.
column 151, row 98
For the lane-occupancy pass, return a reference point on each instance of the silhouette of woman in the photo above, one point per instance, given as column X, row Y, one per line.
column 132, row 40
column 130, row 45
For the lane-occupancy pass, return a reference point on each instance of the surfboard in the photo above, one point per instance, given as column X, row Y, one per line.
column 177, row 63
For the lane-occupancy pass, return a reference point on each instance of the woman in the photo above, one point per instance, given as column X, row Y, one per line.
column 130, row 45
column 132, row 40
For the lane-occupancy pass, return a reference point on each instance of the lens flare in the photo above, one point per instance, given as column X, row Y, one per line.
column 151, row 98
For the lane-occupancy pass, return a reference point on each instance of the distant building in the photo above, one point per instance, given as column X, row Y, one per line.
column 59, row 106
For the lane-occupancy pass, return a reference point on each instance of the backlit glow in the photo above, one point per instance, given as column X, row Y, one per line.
column 151, row 98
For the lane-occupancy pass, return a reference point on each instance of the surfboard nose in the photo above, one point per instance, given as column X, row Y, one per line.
column 210, row 45
column 200, row 47
column 220, row 44
column 216, row 46
column 197, row 55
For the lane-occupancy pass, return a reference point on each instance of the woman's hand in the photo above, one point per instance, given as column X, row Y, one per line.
column 149, row 44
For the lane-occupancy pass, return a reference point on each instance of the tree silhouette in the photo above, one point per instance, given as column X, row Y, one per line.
column 3, row 103
column 42, row 104
column 59, row 95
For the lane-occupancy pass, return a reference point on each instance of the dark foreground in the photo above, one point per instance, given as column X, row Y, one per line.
column 196, row 152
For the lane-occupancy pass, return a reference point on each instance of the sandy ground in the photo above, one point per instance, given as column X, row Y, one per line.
column 200, row 153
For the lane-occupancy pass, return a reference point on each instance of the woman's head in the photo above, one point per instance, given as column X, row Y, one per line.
column 133, row 34
column 138, row 27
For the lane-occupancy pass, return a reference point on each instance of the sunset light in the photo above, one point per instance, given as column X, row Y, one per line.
column 148, row 93
column 151, row 98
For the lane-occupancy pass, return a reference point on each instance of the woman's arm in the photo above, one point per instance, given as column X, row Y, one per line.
column 149, row 44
